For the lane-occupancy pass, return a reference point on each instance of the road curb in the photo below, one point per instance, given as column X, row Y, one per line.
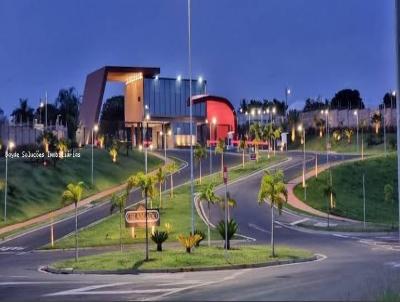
column 71, row 271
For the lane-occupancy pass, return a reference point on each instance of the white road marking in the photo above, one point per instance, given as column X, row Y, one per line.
column 393, row 264
column 324, row 224
column 299, row 221
column 254, row 226
column 11, row 248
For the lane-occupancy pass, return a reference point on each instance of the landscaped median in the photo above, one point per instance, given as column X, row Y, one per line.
column 177, row 260
column 175, row 216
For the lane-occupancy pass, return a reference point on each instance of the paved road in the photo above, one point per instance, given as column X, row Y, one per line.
column 352, row 267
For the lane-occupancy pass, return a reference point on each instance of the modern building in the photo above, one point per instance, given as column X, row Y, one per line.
column 157, row 106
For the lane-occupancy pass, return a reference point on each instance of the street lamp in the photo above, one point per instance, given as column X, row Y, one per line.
column 273, row 113
column 356, row 115
column 301, row 129
column 95, row 129
column 169, row 133
column 287, row 93
column 326, row 113
column 146, row 143
column 10, row 146
column 41, row 105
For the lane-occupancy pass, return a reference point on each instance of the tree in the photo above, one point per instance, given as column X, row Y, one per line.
column 199, row 154
column 231, row 203
column 231, row 231
column 389, row 100
column 347, row 99
column 62, row 147
column 172, row 168
column 376, row 120
column 67, row 103
column 146, row 184
column 256, row 132
column 293, row 119
column 242, row 146
column 24, row 113
column 268, row 134
column 276, row 135
column 273, row 188
column 219, row 149
column 348, row 133
column 73, row 194
column 119, row 202
column 52, row 113
column 319, row 124
column 112, row 116
column 388, row 193
column 207, row 194
column 113, row 153
column 160, row 178
column 313, row 105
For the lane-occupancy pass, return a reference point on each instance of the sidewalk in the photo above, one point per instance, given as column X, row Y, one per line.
column 54, row 214
column 298, row 204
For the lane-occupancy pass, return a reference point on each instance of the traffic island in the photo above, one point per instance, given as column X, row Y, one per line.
column 178, row 260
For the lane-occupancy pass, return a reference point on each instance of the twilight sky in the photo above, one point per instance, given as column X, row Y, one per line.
column 244, row 48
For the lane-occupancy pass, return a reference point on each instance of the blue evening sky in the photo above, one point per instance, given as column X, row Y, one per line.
column 244, row 48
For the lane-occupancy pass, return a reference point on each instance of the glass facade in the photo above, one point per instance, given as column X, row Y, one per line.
column 169, row 98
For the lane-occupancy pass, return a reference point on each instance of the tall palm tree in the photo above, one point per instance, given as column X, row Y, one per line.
column 119, row 202
column 23, row 113
column 199, row 154
column 219, row 149
column 268, row 133
column 242, row 146
column 73, row 194
column 207, row 194
column 146, row 184
column 275, row 135
column 376, row 121
column 160, row 178
column 273, row 188
column 172, row 168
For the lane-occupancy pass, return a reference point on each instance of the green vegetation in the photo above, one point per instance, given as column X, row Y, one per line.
column 175, row 214
column 347, row 185
column 35, row 189
column 169, row 258
column 373, row 144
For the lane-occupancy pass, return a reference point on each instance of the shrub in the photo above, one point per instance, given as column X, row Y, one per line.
column 159, row 238
column 232, row 229
column 201, row 234
column 189, row 241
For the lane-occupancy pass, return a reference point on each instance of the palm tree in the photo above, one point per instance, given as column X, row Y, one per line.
column 160, row 178
column 73, row 193
column 207, row 193
column 319, row 124
column 23, row 113
column 377, row 120
column 119, row 202
column 273, row 188
column 276, row 134
column 199, row 154
column 62, row 147
column 172, row 168
column 219, row 148
column 348, row 133
column 232, row 228
column 113, row 153
column 146, row 184
column 231, row 203
column 242, row 146
column 67, row 103
column 268, row 133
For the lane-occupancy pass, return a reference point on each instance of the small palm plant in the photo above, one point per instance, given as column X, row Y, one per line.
column 199, row 154
column 62, row 147
column 158, row 238
column 242, row 147
column 119, row 202
column 189, row 241
column 160, row 177
column 232, row 229
column 172, row 168
column 207, row 194
column 113, row 153
column 273, row 188
column 348, row 133
column 201, row 234
column 73, row 194
column 219, row 149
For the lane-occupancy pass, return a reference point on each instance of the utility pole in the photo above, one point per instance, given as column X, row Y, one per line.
column 364, row 200
column 397, row 32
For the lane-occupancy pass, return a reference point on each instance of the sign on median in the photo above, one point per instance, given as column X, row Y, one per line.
column 137, row 218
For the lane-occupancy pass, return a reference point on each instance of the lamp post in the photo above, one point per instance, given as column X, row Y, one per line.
column 10, row 146
column 397, row 33
column 213, row 122
column 146, row 143
column 356, row 115
column 40, row 110
column 287, row 93
column 301, row 129
column 273, row 114
column 95, row 129
column 384, row 128
column 326, row 113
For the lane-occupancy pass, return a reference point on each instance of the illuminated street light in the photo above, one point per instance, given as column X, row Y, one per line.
column 10, row 146
column 356, row 115
column 200, row 80
column 213, row 122
column 301, row 129
column 95, row 129
column 179, row 78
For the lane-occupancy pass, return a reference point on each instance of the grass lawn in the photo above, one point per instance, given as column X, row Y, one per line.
column 178, row 258
column 176, row 211
column 316, row 143
column 347, row 183
column 36, row 189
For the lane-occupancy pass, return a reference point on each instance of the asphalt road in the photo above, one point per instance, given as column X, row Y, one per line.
column 350, row 268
